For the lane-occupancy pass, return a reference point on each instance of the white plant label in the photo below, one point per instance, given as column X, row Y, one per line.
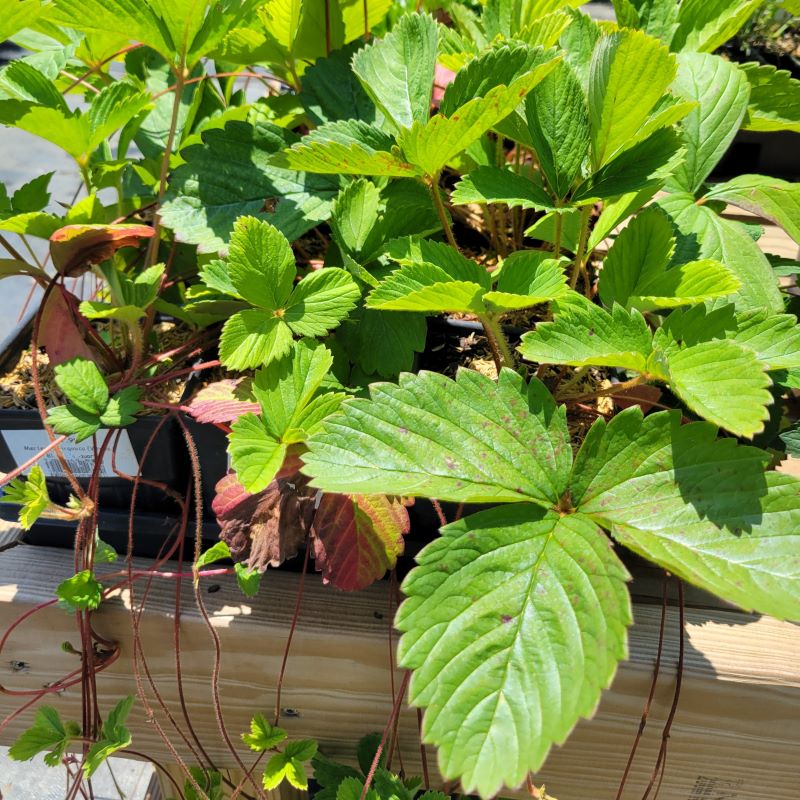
column 26, row 443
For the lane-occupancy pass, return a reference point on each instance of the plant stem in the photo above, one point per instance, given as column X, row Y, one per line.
column 616, row 388
column 501, row 352
column 559, row 233
column 180, row 78
column 441, row 211
column 577, row 266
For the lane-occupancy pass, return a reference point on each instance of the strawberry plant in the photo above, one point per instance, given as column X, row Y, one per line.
column 283, row 202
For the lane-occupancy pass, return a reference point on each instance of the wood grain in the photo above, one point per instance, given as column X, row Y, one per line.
column 738, row 723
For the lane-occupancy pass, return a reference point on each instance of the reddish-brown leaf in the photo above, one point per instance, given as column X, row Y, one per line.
column 266, row 528
column 357, row 538
column 60, row 333
column 221, row 401
column 75, row 248
column 645, row 396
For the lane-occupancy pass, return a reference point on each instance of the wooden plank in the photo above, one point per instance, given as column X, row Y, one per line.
column 737, row 724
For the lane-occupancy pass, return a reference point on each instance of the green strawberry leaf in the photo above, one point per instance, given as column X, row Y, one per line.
column 722, row 382
column 493, row 185
column 114, row 736
column 81, row 592
column 122, row 408
column 321, row 301
column 346, row 147
column 230, row 174
column 701, row 507
column 30, row 493
column 48, row 734
column 252, row 338
column 73, row 421
column 260, row 264
column 558, row 121
column 263, row 736
column 630, row 73
column 772, row 198
column 84, row 385
column 285, row 388
column 506, row 667
column 431, row 145
column 584, row 334
column 636, row 271
column 527, row 278
column 701, row 233
column 721, row 92
column 465, row 440
column 397, row 71
column 774, row 99
column 705, row 25
column 256, row 456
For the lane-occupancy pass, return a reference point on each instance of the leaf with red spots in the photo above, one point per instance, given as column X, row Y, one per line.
column 222, row 401
column 357, row 538
column 75, row 248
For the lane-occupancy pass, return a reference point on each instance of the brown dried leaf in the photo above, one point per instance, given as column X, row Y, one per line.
column 357, row 538
column 266, row 528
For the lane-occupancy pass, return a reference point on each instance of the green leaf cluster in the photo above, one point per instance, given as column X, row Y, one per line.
column 259, row 273
column 91, row 407
column 500, row 652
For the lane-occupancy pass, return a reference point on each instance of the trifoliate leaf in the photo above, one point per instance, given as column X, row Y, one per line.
column 720, row 90
column 701, row 507
column 397, row 71
column 263, row 735
column 30, row 493
column 464, row 440
column 81, row 592
column 48, row 733
column 82, row 382
column 505, row 667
